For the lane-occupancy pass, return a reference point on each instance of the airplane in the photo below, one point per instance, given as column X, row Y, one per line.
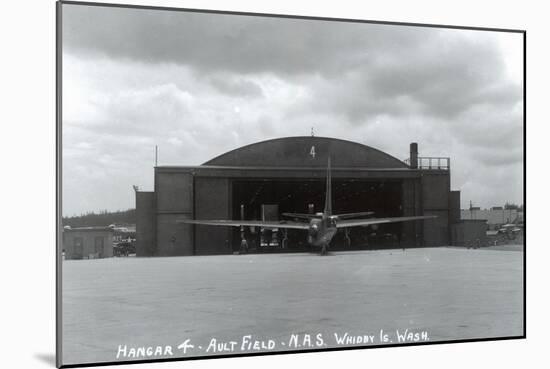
column 320, row 227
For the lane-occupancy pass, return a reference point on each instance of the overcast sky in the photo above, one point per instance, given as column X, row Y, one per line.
column 198, row 85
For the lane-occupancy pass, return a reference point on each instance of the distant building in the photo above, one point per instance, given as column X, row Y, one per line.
column 495, row 217
column 123, row 232
column 88, row 242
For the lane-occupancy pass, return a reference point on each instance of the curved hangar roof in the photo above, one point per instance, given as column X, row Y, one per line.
column 307, row 151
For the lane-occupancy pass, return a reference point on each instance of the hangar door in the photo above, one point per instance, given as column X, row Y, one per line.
column 384, row 197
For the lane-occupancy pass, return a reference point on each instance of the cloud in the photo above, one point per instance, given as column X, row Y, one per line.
column 444, row 77
column 198, row 85
column 235, row 86
column 229, row 43
column 175, row 141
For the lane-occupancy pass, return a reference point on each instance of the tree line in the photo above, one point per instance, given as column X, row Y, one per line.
column 101, row 219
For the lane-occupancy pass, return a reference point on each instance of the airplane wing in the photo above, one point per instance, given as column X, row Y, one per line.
column 354, row 215
column 300, row 215
column 340, row 216
column 248, row 223
column 371, row 221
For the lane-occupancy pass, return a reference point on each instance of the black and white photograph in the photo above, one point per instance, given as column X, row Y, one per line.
column 247, row 184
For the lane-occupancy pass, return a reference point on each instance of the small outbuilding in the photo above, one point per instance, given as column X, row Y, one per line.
column 470, row 233
column 87, row 243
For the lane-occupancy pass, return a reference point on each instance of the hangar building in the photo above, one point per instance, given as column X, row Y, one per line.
column 288, row 175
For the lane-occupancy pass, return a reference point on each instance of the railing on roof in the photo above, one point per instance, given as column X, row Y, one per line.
column 432, row 163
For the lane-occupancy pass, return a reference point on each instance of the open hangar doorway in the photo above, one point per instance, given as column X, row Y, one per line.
column 267, row 199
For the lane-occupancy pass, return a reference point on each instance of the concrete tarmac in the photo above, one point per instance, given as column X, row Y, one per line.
column 118, row 304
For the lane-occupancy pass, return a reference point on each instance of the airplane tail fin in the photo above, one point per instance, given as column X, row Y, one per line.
column 328, row 198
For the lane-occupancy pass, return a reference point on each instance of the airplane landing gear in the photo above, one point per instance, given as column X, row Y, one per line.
column 324, row 250
column 348, row 238
column 285, row 238
column 244, row 247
